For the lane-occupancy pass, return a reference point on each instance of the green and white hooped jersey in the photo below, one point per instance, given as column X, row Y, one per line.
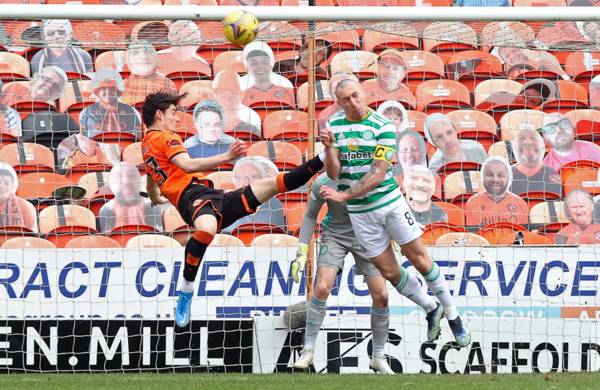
column 359, row 143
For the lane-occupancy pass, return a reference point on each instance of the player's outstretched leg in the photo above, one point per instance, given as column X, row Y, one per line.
column 408, row 285
column 315, row 313
column 194, row 252
column 380, row 324
column 416, row 252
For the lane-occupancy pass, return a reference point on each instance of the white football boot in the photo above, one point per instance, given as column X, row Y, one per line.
column 380, row 364
column 305, row 360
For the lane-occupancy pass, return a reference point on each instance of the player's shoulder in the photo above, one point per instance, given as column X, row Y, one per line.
column 378, row 120
column 337, row 118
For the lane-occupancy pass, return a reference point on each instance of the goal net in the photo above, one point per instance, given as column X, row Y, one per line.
column 496, row 153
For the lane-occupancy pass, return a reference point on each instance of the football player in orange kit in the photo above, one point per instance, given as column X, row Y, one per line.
column 177, row 176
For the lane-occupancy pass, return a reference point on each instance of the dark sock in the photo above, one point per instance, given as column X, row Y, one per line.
column 194, row 251
column 299, row 176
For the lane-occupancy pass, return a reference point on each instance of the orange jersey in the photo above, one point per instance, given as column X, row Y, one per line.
column 481, row 209
column 158, row 148
column 575, row 234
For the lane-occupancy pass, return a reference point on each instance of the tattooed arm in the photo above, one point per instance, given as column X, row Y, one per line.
column 369, row 181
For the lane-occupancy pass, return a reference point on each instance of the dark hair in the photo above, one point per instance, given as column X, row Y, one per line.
column 158, row 101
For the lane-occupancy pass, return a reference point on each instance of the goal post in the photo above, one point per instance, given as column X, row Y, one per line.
column 89, row 271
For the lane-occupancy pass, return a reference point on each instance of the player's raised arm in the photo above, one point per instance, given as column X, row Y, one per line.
column 332, row 160
column 154, row 192
column 193, row 165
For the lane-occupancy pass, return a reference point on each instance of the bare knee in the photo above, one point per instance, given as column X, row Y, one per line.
column 206, row 223
column 322, row 290
column 380, row 297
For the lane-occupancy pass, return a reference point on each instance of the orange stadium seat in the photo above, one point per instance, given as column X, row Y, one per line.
column 98, row 35
column 550, row 216
column 461, row 239
column 95, row 241
column 362, row 63
column 77, row 171
column 154, row 31
column 28, row 157
column 248, row 232
column 289, row 126
column 322, row 98
column 275, row 240
column 456, row 166
column 77, row 96
column 23, row 105
column 230, row 60
column 460, row 186
column 416, row 122
column 582, row 66
column 433, row 231
column 181, row 71
column 222, row 180
column 502, row 33
column 13, row 67
column 338, row 40
column 294, row 214
column 496, row 97
column 442, row 96
column 377, row 41
column 513, row 121
column 471, row 67
column 226, row 241
column 420, row 66
column 186, row 127
column 503, row 149
column 98, row 192
column 283, row 154
column 152, row 241
column 475, row 125
column 122, row 234
column 586, row 123
column 581, row 179
column 61, row 223
column 197, row 91
column 447, row 38
column 570, row 96
column 175, row 225
column 40, row 185
column 113, row 59
column 494, row 232
column 524, row 238
column 27, row 243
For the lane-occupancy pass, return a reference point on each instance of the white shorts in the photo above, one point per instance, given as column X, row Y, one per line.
column 376, row 229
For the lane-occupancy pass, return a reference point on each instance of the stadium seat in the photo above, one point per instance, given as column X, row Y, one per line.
column 294, row 214
column 287, row 125
column 95, row 241
column 181, row 71
column 222, row 180
column 77, row 96
column 374, row 97
column 40, row 185
column 24, row 105
column 420, row 66
column 447, row 38
column 475, row 125
column 460, row 186
column 113, row 59
column 248, row 232
column 442, row 96
column 549, row 216
column 186, row 127
column 377, row 41
column 456, row 166
column 433, row 231
column 121, row 138
column 284, row 155
column 151, row 241
column 502, row 34
column 503, row 149
column 212, row 40
column 98, row 35
column 275, row 240
column 362, row 63
column 558, row 35
column 27, row 243
column 26, row 157
column 279, row 35
column 229, row 60
column 98, row 192
column 61, row 223
column 586, row 123
column 570, row 96
column 416, row 122
column 523, row 238
column 495, row 232
column 78, row 170
column 197, row 91
column 133, row 154
column 48, row 128
column 226, row 241
column 13, row 67
column 581, row 179
column 154, row 31
column 582, row 66
column 322, row 98
column 175, row 225
column 513, row 121
column 338, row 40
column 461, row 239
column 496, row 97
column 456, row 215
column 122, row 234
column 471, row 67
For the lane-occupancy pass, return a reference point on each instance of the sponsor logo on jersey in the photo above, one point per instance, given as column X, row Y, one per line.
column 352, row 144
column 355, row 156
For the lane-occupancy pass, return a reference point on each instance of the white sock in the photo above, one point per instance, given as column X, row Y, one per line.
column 410, row 287
column 186, row 286
column 380, row 323
column 439, row 287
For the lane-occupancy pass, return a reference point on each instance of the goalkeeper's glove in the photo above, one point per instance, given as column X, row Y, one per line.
column 299, row 262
